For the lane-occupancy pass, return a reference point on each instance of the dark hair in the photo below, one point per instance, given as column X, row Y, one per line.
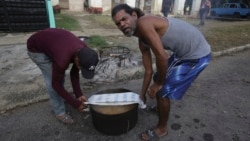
column 127, row 9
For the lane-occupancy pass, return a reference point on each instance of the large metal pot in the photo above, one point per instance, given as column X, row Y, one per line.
column 114, row 120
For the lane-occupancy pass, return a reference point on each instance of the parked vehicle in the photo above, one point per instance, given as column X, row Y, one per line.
column 236, row 10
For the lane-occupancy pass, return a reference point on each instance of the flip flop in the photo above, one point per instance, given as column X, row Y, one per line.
column 152, row 108
column 151, row 135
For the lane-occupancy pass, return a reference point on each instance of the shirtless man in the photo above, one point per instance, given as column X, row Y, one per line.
column 175, row 73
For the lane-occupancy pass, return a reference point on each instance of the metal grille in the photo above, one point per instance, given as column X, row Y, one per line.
column 23, row 15
column 114, row 52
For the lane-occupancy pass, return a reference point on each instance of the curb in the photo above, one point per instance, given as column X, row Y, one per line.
column 135, row 73
column 231, row 50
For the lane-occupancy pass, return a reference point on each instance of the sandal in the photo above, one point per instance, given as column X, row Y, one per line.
column 151, row 135
column 66, row 119
column 152, row 109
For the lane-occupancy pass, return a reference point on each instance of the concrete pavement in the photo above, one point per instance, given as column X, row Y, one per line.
column 215, row 108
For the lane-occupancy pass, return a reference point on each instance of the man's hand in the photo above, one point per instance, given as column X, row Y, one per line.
column 152, row 91
column 82, row 98
column 82, row 107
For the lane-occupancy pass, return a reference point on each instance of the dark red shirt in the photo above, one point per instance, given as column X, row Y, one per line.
column 61, row 46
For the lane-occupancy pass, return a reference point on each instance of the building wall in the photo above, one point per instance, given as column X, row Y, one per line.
column 106, row 5
column 55, row 2
column 64, row 4
column 140, row 3
column 148, row 6
column 195, row 8
column 96, row 3
column 76, row 5
column 156, row 6
column 178, row 7
column 131, row 3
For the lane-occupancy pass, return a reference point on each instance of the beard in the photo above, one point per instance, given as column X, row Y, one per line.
column 131, row 31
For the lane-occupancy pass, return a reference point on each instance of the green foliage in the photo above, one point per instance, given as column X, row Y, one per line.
column 70, row 23
column 96, row 41
column 105, row 21
column 66, row 22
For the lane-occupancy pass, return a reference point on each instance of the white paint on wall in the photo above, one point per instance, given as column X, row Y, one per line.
column 95, row 3
column 157, row 7
column 130, row 3
column 55, row 2
column 178, row 7
column 195, row 7
column 106, row 5
column 76, row 5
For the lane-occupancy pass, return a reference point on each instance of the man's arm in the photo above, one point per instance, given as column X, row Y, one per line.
column 75, row 81
column 147, row 63
column 148, row 32
column 57, row 83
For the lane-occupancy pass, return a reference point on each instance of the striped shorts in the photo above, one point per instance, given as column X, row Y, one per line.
column 180, row 75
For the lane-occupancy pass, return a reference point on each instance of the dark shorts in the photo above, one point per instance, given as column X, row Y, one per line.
column 180, row 75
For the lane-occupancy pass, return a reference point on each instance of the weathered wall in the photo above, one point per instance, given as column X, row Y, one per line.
column 178, row 7
column 195, row 8
column 95, row 3
column 64, row 4
column 76, row 5
column 131, row 2
column 55, row 2
column 149, row 6
column 106, row 5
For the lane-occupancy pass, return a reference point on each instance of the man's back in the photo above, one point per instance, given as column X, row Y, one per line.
column 60, row 45
column 185, row 40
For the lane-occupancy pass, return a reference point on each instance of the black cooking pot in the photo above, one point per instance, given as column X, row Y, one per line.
column 114, row 120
